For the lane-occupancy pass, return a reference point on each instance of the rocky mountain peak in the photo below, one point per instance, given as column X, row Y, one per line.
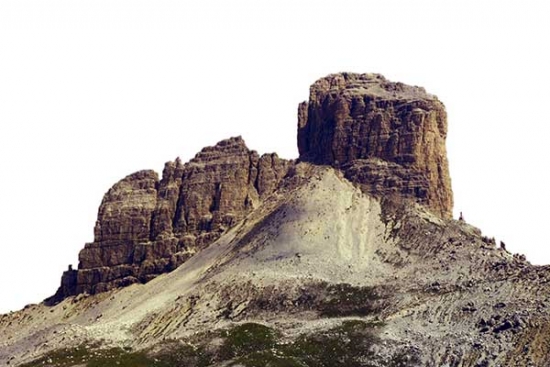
column 374, row 85
column 327, row 261
column 357, row 121
column 146, row 227
column 226, row 148
column 386, row 137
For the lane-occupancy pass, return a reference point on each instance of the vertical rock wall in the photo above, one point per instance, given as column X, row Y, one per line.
column 388, row 137
column 146, row 227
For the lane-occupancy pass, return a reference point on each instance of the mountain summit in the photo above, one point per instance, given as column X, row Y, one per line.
column 389, row 137
column 346, row 256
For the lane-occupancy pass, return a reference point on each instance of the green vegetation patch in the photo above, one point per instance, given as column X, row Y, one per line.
column 350, row 344
column 268, row 358
column 121, row 358
column 174, row 353
column 91, row 356
column 247, row 338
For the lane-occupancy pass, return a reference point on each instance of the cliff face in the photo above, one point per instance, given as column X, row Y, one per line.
column 332, row 266
column 388, row 137
column 146, row 227
column 319, row 275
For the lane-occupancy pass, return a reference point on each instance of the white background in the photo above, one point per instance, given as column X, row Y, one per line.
column 91, row 91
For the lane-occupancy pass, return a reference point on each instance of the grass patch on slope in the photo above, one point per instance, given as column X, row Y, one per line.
column 347, row 345
column 247, row 338
column 92, row 356
column 350, row 344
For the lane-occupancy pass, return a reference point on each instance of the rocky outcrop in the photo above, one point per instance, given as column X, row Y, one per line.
column 318, row 274
column 388, row 137
column 146, row 227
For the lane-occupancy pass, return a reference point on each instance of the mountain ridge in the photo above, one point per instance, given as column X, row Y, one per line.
column 347, row 256
column 147, row 227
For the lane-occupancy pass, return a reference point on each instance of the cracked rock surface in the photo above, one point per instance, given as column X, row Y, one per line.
column 346, row 257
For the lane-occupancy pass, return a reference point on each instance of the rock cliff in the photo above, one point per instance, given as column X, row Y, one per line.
column 324, row 262
column 319, row 275
column 388, row 137
column 146, row 227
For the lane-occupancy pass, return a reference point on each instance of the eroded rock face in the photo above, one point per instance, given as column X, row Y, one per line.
column 359, row 121
column 387, row 137
column 146, row 227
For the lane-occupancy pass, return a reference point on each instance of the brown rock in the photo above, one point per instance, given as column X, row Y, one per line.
column 146, row 227
column 387, row 137
column 358, row 121
column 217, row 188
column 125, row 212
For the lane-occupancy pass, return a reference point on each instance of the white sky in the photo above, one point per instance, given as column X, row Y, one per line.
column 91, row 91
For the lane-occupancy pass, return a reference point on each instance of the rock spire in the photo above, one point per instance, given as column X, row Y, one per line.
column 389, row 137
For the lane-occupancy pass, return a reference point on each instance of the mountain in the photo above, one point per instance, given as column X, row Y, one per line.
column 346, row 256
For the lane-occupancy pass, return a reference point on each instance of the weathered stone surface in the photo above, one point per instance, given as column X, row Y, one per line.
column 125, row 212
column 146, row 227
column 382, row 178
column 351, row 117
column 387, row 137
column 312, row 261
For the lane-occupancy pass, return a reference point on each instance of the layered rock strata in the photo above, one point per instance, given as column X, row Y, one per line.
column 146, row 227
column 388, row 137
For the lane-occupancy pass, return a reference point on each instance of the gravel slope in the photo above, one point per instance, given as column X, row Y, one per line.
column 443, row 292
